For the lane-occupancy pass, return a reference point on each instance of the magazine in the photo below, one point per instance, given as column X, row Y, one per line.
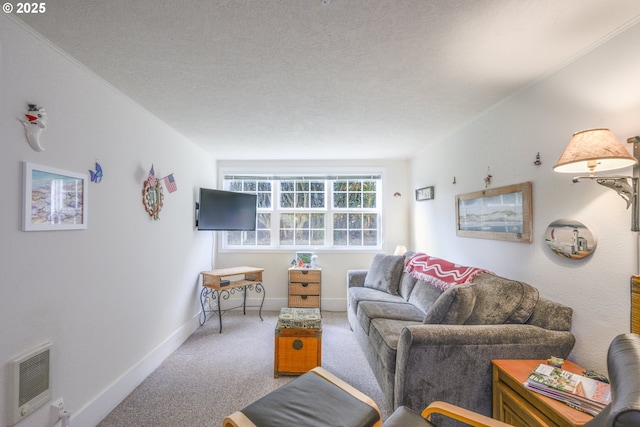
column 580, row 392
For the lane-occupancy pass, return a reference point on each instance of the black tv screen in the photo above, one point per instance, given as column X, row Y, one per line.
column 226, row 210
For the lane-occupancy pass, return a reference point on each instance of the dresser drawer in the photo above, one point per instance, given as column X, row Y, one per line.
column 304, row 288
column 304, row 301
column 304, row 276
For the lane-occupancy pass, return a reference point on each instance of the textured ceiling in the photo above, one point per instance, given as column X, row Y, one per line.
column 330, row 79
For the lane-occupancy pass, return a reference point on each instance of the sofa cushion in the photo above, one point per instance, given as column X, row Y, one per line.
column 500, row 301
column 384, row 273
column 369, row 310
column 453, row 307
column 384, row 335
column 358, row 294
column 424, row 295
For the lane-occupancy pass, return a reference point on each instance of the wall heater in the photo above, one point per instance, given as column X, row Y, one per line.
column 29, row 383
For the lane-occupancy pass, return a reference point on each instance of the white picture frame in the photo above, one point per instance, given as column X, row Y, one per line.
column 54, row 199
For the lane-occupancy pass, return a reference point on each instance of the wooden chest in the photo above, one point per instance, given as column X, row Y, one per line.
column 304, row 287
column 297, row 349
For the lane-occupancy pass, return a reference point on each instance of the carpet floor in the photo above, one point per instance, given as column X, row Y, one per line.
column 213, row 375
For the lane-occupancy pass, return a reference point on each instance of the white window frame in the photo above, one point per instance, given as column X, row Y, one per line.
column 328, row 210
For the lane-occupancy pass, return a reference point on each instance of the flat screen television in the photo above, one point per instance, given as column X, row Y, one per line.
column 225, row 210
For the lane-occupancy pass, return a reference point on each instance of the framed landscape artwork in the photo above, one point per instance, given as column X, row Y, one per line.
column 54, row 199
column 503, row 213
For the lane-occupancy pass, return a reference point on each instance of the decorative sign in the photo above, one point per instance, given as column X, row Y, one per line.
column 426, row 193
column 569, row 238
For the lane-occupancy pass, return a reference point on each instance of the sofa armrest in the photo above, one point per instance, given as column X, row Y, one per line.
column 356, row 278
column 453, row 362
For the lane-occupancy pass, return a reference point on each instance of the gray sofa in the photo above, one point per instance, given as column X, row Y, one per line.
column 425, row 344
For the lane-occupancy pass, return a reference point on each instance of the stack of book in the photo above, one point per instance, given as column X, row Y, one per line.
column 577, row 391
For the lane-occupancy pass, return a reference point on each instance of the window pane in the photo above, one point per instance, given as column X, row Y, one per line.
column 317, row 186
column 286, row 237
column 264, row 221
column 369, row 186
column 235, row 186
column 317, row 237
column 340, row 221
column 249, row 238
column 340, row 186
column 369, row 200
column 340, row 200
column 317, row 200
column 264, row 186
column 340, row 238
column 249, row 186
column 264, row 237
column 355, row 221
column 234, row 237
column 264, row 200
column 302, row 200
column 287, row 186
column 355, row 238
column 355, row 200
column 302, row 237
column 355, row 186
column 286, row 200
column 317, row 221
column 286, row 220
column 370, row 221
column 370, row 238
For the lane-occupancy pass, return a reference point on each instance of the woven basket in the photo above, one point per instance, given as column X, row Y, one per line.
column 635, row 304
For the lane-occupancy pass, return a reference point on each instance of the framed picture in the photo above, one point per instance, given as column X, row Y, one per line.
column 425, row 193
column 503, row 213
column 303, row 259
column 569, row 238
column 54, row 199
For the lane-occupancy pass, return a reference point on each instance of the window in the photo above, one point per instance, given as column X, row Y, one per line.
column 311, row 211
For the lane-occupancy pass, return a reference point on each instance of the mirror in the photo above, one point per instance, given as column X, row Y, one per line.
column 152, row 199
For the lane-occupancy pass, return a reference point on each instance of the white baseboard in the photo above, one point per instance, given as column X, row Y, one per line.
column 94, row 411
column 275, row 304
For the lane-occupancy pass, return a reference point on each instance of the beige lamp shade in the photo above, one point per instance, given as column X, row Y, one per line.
column 594, row 150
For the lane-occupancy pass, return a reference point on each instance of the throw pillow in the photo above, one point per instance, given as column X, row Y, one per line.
column 384, row 273
column 501, row 301
column 453, row 307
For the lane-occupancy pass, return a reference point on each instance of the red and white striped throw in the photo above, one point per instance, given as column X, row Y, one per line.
column 439, row 272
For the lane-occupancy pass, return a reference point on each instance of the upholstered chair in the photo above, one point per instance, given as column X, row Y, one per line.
column 623, row 363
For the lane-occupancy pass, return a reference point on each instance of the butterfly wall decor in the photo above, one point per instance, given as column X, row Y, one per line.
column 97, row 175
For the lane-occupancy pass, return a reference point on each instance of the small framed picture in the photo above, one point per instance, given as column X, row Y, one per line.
column 303, row 259
column 425, row 193
column 54, row 199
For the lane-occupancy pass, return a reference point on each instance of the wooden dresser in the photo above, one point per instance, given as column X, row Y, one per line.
column 520, row 407
column 304, row 287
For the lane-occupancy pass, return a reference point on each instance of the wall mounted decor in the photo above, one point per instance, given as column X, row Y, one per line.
column 426, row 193
column 152, row 198
column 54, row 199
column 537, row 161
column 97, row 175
column 503, row 213
column 487, row 179
column 569, row 238
column 34, row 125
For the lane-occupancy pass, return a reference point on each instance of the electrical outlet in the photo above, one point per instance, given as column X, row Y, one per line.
column 54, row 411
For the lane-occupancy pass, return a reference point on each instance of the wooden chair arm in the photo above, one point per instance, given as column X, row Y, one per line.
column 461, row 414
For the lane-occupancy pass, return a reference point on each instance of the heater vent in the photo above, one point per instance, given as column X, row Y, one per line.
column 29, row 383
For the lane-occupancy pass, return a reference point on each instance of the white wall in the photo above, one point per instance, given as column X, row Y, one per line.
column 334, row 263
column 114, row 299
column 599, row 90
